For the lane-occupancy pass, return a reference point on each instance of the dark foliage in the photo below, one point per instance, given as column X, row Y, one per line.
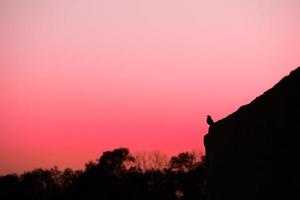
column 114, row 176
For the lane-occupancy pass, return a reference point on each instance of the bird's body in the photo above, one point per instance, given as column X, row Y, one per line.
column 209, row 120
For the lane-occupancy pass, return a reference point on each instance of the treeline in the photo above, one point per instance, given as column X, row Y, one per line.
column 116, row 175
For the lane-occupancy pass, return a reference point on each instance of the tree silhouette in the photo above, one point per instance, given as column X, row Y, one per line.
column 117, row 161
column 183, row 162
column 115, row 175
column 155, row 160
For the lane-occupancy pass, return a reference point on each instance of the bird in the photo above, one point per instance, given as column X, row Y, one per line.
column 209, row 120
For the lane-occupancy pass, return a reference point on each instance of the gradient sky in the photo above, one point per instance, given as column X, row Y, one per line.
column 81, row 76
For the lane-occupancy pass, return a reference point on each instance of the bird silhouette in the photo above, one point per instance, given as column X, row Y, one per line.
column 209, row 120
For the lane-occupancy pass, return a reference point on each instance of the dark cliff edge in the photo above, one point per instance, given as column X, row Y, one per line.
column 254, row 152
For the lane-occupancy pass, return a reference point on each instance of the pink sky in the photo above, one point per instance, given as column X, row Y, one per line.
column 81, row 76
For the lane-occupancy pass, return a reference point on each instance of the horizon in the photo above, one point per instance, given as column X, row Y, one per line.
column 82, row 77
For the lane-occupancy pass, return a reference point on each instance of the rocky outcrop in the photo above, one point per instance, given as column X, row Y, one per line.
column 254, row 153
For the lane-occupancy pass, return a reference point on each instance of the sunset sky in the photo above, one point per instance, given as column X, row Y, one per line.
column 78, row 77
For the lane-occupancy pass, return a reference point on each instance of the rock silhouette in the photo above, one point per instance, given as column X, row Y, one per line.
column 254, row 152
